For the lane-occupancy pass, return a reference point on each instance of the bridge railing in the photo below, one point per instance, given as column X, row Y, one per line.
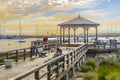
column 55, row 67
column 24, row 53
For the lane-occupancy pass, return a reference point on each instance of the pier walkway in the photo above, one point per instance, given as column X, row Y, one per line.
column 54, row 69
column 59, row 68
column 25, row 66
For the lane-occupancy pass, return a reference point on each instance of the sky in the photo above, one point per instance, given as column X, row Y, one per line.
column 44, row 15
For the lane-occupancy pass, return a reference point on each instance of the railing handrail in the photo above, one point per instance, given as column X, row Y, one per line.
column 37, row 68
column 25, row 48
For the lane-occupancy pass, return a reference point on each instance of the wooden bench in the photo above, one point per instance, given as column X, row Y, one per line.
column 52, row 49
column 41, row 52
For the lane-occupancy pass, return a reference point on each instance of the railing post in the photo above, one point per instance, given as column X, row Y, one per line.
column 37, row 75
column 63, row 63
column 24, row 54
column 79, row 62
column 7, row 55
column 66, row 76
column 67, row 60
column 57, row 67
column 71, row 55
column 17, row 56
column 74, row 55
column 73, row 72
column 49, row 72
column 30, row 52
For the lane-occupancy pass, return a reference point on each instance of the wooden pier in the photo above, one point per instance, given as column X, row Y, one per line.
column 36, row 69
column 60, row 68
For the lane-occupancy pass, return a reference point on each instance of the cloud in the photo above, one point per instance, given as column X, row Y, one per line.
column 29, row 7
column 45, row 4
column 31, row 13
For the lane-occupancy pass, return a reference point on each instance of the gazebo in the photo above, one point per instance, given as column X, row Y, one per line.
column 74, row 24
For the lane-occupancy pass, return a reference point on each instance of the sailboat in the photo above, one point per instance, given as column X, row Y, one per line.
column 2, row 35
column 21, row 39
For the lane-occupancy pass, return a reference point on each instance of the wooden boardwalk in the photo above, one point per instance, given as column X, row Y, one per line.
column 72, row 56
column 24, row 66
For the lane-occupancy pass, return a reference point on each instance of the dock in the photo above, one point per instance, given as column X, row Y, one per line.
column 24, row 66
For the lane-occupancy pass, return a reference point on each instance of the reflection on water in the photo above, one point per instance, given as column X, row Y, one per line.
column 7, row 45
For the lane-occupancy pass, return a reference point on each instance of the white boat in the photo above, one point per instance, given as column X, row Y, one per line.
column 21, row 40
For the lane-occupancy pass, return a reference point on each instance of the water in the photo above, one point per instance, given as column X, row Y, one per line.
column 10, row 44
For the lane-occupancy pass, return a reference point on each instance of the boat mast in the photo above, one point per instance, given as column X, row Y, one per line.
column 4, row 28
column 20, row 29
column 36, row 31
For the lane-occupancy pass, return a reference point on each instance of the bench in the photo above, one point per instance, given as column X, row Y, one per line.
column 52, row 49
column 41, row 52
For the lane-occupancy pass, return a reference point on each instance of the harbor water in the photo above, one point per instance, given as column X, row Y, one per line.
column 13, row 44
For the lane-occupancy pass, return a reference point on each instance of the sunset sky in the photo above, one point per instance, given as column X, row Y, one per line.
column 46, row 14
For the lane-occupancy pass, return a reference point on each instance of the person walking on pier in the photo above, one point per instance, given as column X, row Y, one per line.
column 33, row 50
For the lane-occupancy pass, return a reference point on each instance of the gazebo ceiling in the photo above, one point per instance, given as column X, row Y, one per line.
column 79, row 21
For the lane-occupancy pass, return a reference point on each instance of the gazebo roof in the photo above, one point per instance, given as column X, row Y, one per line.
column 79, row 21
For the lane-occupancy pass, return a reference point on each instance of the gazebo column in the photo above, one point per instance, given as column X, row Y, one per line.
column 74, row 35
column 96, row 33
column 60, row 35
column 84, row 35
column 63, row 34
column 68, row 35
column 87, row 34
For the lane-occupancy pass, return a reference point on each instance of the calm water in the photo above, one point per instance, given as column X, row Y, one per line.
column 7, row 45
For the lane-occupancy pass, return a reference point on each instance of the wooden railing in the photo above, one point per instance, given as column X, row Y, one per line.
column 23, row 53
column 57, row 67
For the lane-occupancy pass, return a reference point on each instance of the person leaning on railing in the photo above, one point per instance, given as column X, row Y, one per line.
column 58, row 53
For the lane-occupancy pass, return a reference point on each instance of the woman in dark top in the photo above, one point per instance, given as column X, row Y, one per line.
column 58, row 53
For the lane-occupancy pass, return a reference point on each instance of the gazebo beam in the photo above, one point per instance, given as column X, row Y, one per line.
column 87, row 34
column 75, row 34
column 84, row 35
column 68, row 35
column 63, row 34
column 96, row 33
column 60, row 35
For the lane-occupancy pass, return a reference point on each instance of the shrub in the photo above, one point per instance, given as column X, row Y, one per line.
column 108, row 70
column 108, row 63
column 90, row 63
column 113, row 76
column 90, row 76
column 85, row 68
